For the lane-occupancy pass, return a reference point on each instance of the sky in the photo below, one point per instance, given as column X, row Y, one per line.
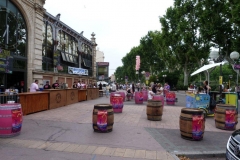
column 117, row 24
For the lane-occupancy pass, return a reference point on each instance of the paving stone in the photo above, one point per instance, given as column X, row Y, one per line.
column 129, row 153
column 140, row 154
column 99, row 150
column 80, row 148
column 90, row 149
column 109, row 151
column 119, row 152
column 71, row 148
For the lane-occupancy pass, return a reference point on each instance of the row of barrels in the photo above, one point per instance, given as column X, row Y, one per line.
column 192, row 121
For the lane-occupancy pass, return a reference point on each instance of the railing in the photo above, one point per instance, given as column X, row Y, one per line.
column 4, row 98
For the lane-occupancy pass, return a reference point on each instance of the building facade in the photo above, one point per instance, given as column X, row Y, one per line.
column 36, row 45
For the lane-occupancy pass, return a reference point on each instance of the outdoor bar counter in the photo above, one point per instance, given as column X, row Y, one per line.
column 92, row 93
column 34, row 101
column 82, row 95
column 54, row 98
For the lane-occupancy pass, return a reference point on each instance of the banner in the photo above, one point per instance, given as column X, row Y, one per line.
column 81, row 71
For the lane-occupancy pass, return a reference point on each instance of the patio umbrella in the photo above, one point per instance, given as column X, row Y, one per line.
column 206, row 67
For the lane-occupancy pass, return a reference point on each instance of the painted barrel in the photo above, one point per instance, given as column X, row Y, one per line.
column 154, row 110
column 170, row 98
column 192, row 124
column 138, row 98
column 226, row 116
column 145, row 95
column 103, row 118
column 116, row 101
column 160, row 98
column 122, row 94
column 10, row 119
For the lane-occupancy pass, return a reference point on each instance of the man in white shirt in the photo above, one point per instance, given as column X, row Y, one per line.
column 34, row 86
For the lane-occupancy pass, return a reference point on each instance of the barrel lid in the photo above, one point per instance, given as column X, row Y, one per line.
column 225, row 105
column 191, row 110
column 8, row 106
column 103, row 105
column 116, row 95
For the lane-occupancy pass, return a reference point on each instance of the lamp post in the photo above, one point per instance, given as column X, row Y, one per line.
column 164, row 76
column 137, row 72
column 235, row 56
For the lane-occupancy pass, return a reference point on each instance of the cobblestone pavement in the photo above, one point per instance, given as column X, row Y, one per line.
column 66, row 133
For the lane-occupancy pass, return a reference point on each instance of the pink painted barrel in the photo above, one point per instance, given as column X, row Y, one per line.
column 138, row 98
column 145, row 95
column 10, row 119
column 159, row 97
column 122, row 94
column 117, row 102
column 170, row 98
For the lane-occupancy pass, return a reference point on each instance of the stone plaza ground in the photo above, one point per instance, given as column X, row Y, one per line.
column 66, row 133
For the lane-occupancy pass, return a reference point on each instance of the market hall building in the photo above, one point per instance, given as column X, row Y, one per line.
column 35, row 45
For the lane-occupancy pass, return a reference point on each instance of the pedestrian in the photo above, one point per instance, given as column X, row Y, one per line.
column 100, row 86
column 79, row 85
column 47, row 86
column 150, row 93
column 107, row 90
column 34, row 86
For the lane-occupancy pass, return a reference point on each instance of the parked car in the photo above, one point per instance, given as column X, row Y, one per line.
column 233, row 146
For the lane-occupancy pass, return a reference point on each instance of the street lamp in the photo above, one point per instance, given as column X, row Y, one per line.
column 137, row 72
column 164, row 76
column 234, row 56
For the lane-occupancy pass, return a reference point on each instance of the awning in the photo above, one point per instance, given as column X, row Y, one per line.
column 206, row 67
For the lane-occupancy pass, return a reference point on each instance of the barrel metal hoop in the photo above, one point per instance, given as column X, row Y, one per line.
column 109, row 113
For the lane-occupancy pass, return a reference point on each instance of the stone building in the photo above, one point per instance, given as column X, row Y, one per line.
column 37, row 45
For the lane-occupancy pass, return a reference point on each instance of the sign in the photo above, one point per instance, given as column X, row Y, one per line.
column 6, row 61
column 147, row 75
column 220, row 80
column 103, row 63
column 81, row 71
column 236, row 66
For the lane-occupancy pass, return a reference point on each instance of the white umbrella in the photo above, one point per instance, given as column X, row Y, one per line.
column 102, row 82
column 206, row 67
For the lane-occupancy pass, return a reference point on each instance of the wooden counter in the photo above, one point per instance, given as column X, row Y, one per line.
column 92, row 93
column 57, row 98
column 82, row 95
column 72, row 96
column 32, row 102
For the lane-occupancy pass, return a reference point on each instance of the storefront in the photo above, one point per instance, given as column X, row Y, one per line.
column 36, row 45
column 102, row 71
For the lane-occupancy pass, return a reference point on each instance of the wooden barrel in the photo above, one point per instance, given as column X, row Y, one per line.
column 103, row 118
column 159, row 98
column 138, row 98
column 154, row 110
column 192, row 124
column 10, row 119
column 226, row 117
column 116, row 101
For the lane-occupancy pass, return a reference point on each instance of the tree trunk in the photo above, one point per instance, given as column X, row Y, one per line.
column 186, row 72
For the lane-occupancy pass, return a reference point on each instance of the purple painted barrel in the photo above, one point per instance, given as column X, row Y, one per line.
column 122, row 94
column 10, row 119
column 117, row 102
column 138, row 98
column 160, row 98
column 145, row 95
column 170, row 98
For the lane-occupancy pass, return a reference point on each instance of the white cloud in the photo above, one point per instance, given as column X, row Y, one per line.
column 118, row 24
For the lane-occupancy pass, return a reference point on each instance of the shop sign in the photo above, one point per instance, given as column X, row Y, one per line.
column 103, row 63
column 81, row 71
column 6, row 61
